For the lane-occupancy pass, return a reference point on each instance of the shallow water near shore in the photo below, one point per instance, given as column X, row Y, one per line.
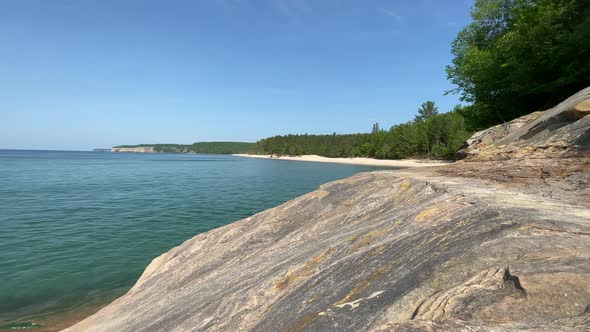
column 79, row 228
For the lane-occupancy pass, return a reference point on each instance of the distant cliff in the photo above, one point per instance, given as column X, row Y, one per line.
column 498, row 241
column 200, row 147
column 139, row 149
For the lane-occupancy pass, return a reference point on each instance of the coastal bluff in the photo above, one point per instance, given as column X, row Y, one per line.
column 199, row 147
column 499, row 240
column 138, row 149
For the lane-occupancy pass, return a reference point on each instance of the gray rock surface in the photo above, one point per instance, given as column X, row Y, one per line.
column 370, row 253
column 543, row 153
column 404, row 250
column 563, row 131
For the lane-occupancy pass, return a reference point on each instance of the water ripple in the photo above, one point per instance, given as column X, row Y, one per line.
column 80, row 227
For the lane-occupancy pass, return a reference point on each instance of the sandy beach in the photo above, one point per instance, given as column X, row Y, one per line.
column 354, row 161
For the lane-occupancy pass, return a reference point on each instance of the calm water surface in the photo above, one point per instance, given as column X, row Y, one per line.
column 78, row 228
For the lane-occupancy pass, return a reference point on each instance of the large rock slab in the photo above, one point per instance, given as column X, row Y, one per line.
column 562, row 131
column 377, row 251
column 498, row 241
column 543, row 153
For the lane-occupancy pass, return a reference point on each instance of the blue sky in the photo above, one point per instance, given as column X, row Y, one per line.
column 81, row 74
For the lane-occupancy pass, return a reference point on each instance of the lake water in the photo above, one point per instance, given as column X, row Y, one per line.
column 77, row 229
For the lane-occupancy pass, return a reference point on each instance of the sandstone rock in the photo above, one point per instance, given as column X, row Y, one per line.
column 545, row 153
column 563, row 131
column 491, row 135
column 494, row 242
column 382, row 250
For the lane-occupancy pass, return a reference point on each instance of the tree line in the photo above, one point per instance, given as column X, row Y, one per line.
column 429, row 135
column 514, row 58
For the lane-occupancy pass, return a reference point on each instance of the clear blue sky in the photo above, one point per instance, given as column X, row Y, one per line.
column 81, row 74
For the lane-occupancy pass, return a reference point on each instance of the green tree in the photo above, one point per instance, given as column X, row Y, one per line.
column 520, row 56
column 384, row 152
column 427, row 110
column 438, row 136
column 375, row 128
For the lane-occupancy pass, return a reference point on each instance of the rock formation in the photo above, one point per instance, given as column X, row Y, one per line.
column 559, row 132
column 500, row 240
column 544, row 153
column 138, row 149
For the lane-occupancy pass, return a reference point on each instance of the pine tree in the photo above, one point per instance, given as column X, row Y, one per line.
column 376, row 128
column 426, row 111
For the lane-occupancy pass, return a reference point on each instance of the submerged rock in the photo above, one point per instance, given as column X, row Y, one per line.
column 404, row 250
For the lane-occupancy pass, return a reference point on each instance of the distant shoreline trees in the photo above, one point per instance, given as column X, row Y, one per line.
column 430, row 135
column 514, row 58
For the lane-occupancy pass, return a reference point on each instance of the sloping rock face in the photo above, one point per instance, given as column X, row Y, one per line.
column 545, row 153
column 374, row 252
column 563, row 131
column 404, row 250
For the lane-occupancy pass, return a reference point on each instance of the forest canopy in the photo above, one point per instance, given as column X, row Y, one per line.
column 520, row 56
column 428, row 136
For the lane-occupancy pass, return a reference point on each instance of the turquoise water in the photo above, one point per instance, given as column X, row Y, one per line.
column 80, row 227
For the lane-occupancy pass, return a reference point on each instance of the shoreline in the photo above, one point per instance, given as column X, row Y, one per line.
column 405, row 163
column 57, row 320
